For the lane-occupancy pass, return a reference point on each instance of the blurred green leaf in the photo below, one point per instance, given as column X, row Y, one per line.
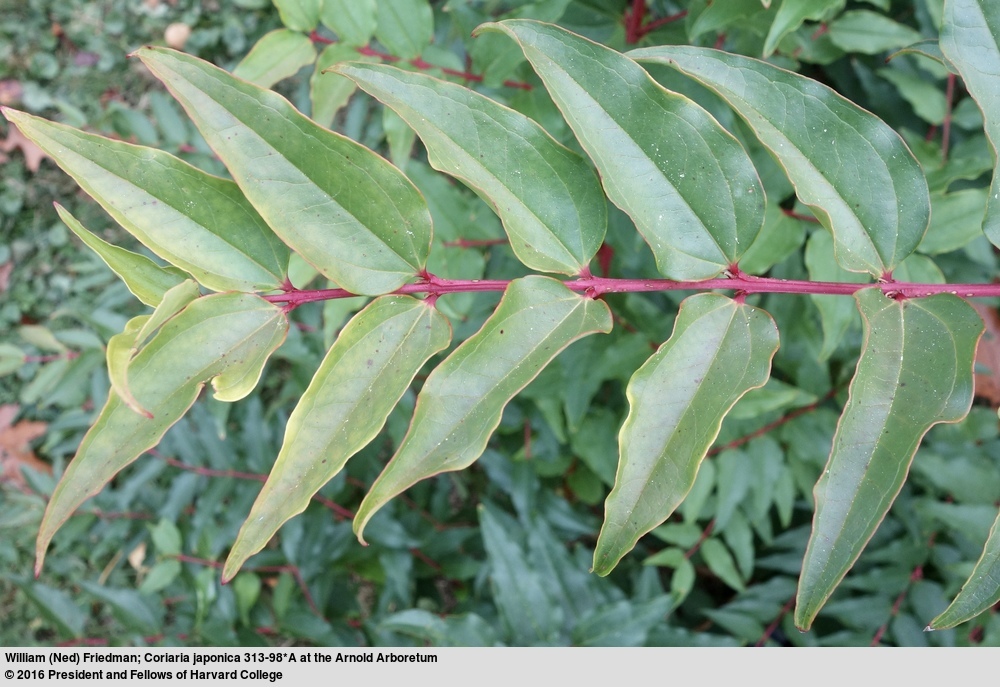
column 970, row 39
column 55, row 605
column 354, row 21
column 299, row 15
column 276, row 56
column 405, row 27
column 871, row 33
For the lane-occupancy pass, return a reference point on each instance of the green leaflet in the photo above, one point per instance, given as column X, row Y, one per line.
column 658, row 152
column 278, row 55
column 124, row 346
column 329, row 92
column 792, row 13
column 353, row 21
column 338, row 204
column 144, row 278
column 223, row 337
column 462, row 400
column 191, row 219
column 870, row 33
column 121, row 348
column 361, row 379
column 970, row 39
column 299, row 15
column 981, row 591
column 719, row 350
column 548, row 197
column 915, row 371
column 849, row 166
column 405, row 27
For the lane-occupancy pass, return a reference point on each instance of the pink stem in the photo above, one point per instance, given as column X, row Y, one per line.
column 597, row 286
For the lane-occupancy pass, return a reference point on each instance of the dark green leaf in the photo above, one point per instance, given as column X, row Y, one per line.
column 719, row 350
column 915, row 371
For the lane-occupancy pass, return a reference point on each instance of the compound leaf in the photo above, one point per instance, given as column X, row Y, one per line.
column 970, row 39
column 462, row 400
column 191, row 219
column 688, row 185
column 848, row 165
column 719, row 350
column 915, row 371
column 223, row 335
column 341, row 206
column 548, row 197
column 363, row 376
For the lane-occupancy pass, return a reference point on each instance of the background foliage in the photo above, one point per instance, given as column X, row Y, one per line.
column 497, row 553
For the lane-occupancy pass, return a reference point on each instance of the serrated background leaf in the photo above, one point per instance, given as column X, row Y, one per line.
column 915, row 371
column 656, row 174
column 849, row 166
column 338, row 204
column 718, row 351
column 548, row 197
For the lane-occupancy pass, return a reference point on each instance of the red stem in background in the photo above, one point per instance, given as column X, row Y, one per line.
column 798, row 412
column 474, row 243
column 635, row 30
column 633, row 21
column 420, row 63
column 705, row 533
column 799, row 216
column 293, row 570
column 68, row 355
column 662, row 21
column 785, row 610
column 339, row 511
